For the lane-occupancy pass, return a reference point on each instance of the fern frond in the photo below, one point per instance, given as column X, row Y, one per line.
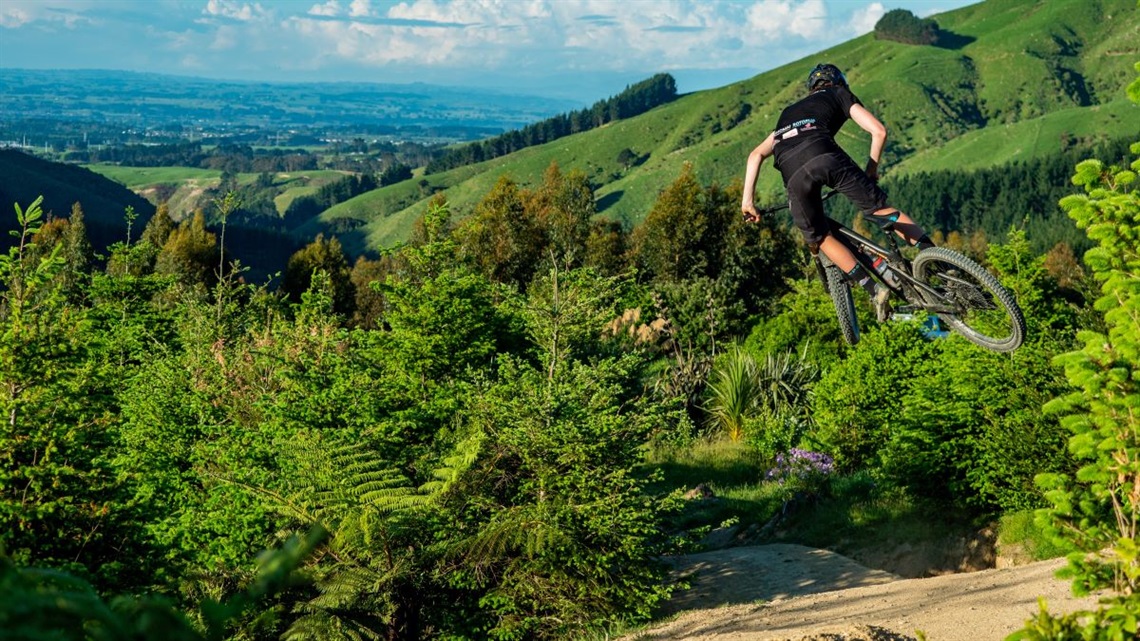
column 464, row 455
column 513, row 531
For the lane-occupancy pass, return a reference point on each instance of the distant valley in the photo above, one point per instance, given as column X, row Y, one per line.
column 57, row 108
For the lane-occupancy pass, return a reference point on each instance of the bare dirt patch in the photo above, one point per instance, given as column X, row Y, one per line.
column 791, row 592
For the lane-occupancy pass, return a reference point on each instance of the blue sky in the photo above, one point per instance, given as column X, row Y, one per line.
column 581, row 49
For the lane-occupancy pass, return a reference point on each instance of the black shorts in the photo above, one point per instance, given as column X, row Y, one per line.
column 836, row 170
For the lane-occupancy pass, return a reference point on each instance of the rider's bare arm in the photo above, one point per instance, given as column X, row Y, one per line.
column 755, row 159
column 870, row 124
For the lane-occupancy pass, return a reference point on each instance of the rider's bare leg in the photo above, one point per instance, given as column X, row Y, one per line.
column 838, row 253
column 906, row 228
column 841, row 256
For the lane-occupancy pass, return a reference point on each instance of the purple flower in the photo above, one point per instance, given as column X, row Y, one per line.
column 801, row 467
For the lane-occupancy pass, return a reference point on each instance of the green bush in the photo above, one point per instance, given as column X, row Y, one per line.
column 903, row 26
column 1114, row 620
column 804, row 322
column 1097, row 509
column 944, row 418
column 856, row 404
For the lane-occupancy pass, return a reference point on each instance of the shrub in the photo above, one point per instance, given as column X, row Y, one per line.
column 856, row 404
column 903, row 26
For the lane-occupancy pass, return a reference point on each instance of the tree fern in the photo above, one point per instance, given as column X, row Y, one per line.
column 519, row 529
column 371, row 562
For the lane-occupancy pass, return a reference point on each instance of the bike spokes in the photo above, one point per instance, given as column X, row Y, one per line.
column 970, row 299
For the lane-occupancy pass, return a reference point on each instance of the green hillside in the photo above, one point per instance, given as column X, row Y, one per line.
column 1012, row 79
column 24, row 177
column 190, row 184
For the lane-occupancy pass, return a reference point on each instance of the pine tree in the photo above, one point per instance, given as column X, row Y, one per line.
column 671, row 242
column 501, row 238
column 56, row 487
column 564, row 206
column 159, row 227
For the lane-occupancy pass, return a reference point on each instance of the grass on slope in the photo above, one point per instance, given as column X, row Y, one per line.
column 1036, row 138
column 136, row 178
column 857, row 514
column 193, row 181
column 860, row 517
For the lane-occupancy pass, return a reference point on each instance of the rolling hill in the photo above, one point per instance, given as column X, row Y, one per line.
column 24, row 177
column 188, row 185
column 1009, row 80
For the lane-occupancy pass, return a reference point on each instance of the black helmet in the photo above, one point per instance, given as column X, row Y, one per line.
column 826, row 73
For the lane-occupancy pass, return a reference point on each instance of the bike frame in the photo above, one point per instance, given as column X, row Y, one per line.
column 910, row 289
column 960, row 285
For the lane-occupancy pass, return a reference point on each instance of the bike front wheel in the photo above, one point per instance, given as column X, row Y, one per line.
column 970, row 299
column 840, row 290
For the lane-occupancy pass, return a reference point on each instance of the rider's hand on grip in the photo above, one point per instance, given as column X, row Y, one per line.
column 750, row 213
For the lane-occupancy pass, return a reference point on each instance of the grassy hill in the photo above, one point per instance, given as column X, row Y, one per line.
column 24, row 177
column 190, row 184
column 1011, row 79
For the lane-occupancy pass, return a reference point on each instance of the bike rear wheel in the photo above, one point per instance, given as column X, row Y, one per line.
column 840, row 290
column 980, row 309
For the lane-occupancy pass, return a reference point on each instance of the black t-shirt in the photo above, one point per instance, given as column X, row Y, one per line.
column 812, row 122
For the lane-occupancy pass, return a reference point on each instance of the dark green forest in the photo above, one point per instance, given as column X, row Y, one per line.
column 991, row 202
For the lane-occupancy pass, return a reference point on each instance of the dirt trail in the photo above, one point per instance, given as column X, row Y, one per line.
column 781, row 591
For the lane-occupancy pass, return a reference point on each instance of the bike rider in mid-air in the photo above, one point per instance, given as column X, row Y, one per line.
column 809, row 158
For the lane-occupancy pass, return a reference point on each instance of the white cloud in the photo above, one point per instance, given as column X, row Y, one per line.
column 360, row 8
column 863, row 19
column 582, row 35
column 775, row 18
column 18, row 13
column 329, row 9
column 225, row 38
column 232, row 10
column 435, row 40
column 12, row 17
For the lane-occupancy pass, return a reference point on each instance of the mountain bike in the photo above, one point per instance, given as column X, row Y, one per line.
column 940, row 281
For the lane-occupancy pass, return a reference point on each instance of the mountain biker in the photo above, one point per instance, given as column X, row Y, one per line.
column 809, row 158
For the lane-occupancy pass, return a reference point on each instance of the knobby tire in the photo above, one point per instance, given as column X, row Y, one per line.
column 840, row 290
column 986, row 313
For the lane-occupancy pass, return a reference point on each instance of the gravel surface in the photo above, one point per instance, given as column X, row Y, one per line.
column 790, row 592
